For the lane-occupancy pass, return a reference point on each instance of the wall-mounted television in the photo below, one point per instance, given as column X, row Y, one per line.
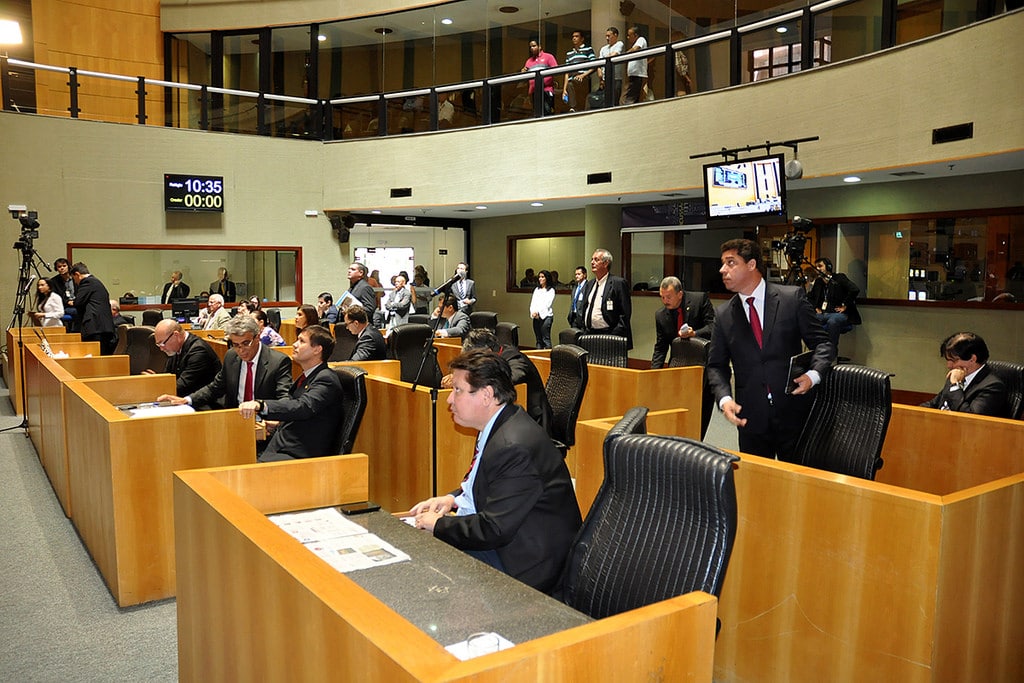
column 746, row 191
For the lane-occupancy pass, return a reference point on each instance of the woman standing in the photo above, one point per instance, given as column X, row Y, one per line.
column 49, row 308
column 541, row 309
column 398, row 303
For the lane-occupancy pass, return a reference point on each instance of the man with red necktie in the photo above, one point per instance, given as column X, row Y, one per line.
column 686, row 314
column 756, row 333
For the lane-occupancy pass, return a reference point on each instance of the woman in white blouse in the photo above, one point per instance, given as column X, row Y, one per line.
column 49, row 308
column 541, row 309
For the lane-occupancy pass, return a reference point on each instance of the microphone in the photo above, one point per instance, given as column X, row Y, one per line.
column 447, row 286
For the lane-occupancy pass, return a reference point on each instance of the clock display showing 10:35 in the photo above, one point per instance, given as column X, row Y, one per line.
column 186, row 192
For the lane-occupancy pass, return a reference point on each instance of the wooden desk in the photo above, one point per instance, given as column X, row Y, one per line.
column 119, row 475
column 287, row 332
column 44, row 379
column 12, row 361
column 208, row 335
column 313, row 623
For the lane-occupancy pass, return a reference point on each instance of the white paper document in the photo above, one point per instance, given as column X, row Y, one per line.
column 340, row 542
column 479, row 644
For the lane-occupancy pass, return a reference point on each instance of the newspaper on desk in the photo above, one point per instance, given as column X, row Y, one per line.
column 340, row 542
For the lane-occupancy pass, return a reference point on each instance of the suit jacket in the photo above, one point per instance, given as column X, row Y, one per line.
column 178, row 291
column 365, row 295
column 398, row 302
column 369, row 345
column 310, row 416
column 525, row 372
column 840, row 291
column 464, row 289
column 226, row 288
column 272, row 380
column 789, row 321
column 92, row 303
column 616, row 308
column 525, row 506
column 60, row 286
column 195, row 365
column 220, row 319
column 577, row 297
column 985, row 395
column 698, row 313
column 458, row 325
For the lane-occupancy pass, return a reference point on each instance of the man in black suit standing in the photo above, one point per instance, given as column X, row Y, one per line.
column 608, row 306
column 360, row 288
column 190, row 359
column 971, row 387
column 834, row 297
column 686, row 314
column 250, row 371
column 369, row 342
column 515, row 509
column 578, row 302
column 757, row 331
column 223, row 285
column 92, row 308
column 309, row 416
column 175, row 289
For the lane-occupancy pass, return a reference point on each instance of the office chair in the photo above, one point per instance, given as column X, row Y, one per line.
column 353, row 406
column 344, row 343
column 274, row 318
column 849, row 418
column 122, row 340
column 483, row 319
column 663, row 524
column 633, row 422
column 419, row 318
column 694, row 352
column 566, row 386
column 569, row 335
column 605, row 349
column 151, row 316
column 142, row 351
column 1012, row 375
column 507, row 335
column 405, row 344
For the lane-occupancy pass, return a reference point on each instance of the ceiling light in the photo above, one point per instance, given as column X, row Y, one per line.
column 376, row 211
column 447, row 21
column 322, row 38
column 536, row 203
column 781, row 29
column 383, row 30
column 508, row 9
column 851, row 179
column 481, row 207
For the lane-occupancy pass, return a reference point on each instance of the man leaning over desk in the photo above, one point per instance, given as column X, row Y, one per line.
column 190, row 359
column 249, row 371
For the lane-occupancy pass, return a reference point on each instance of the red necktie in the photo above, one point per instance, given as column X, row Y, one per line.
column 249, row 372
column 682, row 318
column 755, row 322
column 300, row 381
column 476, row 452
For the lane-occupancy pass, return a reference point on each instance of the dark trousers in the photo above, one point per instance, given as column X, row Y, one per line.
column 542, row 331
column 778, row 442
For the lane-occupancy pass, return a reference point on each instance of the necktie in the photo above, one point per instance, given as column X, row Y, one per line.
column 680, row 317
column 755, row 322
column 249, row 373
column 476, row 452
column 300, row 381
column 576, row 297
column 590, row 307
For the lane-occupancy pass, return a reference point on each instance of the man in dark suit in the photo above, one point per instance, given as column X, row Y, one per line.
column 686, row 314
column 271, row 371
column 360, row 288
column 190, row 359
column 757, row 331
column 175, row 289
column 578, row 303
column 515, row 509
column 608, row 306
column 455, row 323
column 834, row 297
column 369, row 342
column 223, row 286
column 92, row 309
column 971, row 387
column 309, row 416
column 464, row 290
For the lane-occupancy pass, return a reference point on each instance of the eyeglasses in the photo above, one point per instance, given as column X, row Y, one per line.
column 163, row 343
column 242, row 345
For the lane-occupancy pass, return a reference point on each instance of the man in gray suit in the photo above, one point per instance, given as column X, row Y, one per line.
column 454, row 324
column 464, row 290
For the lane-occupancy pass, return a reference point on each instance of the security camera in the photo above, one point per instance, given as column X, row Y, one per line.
column 16, row 210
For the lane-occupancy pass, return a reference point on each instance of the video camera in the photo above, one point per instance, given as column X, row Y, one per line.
column 29, row 226
column 793, row 243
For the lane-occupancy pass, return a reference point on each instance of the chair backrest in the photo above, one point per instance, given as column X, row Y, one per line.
column 129, row 318
column 419, row 318
column 569, row 335
column 483, row 319
column 688, row 352
column 344, row 343
column 143, row 353
column 849, row 418
column 662, row 524
column 507, row 334
column 405, row 344
column 633, row 422
column 1012, row 375
column 122, row 340
column 567, row 383
column 605, row 349
column 151, row 316
column 274, row 318
column 353, row 405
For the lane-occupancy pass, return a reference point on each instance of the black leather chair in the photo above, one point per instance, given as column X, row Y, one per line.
column 605, row 349
column 662, row 524
column 122, row 340
column 353, row 406
column 151, row 316
column 344, row 343
column 419, row 318
column 142, row 351
column 507, row 334
column 569, row 335
column 849, row 418
column 483, row 319
column 633, row 422
column 694, row 352
column 274, row 318
column 567, row 383
column 129, row 318
column 1012, row 375
column 405, row 344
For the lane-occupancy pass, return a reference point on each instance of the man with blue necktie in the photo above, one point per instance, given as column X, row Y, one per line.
column 578, row 303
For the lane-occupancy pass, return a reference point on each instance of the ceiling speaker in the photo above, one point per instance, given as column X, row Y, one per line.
column 794, row 169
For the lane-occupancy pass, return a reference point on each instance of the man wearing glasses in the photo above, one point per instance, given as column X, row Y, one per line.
column 369, row 342
column 191, row 359
column 249, row 372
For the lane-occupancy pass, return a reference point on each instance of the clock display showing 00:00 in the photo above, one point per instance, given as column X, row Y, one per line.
column 193, row 193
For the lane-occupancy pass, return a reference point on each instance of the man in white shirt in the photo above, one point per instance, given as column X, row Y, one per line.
column 614, row 47
column 637, row 69
column 215, row 317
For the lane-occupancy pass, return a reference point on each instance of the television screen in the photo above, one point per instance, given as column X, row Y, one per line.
column 751, row 188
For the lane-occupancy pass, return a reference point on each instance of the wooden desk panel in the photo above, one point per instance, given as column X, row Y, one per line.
column 390, row 369
column 287, row 332
column 338, row 631
column 12, row 361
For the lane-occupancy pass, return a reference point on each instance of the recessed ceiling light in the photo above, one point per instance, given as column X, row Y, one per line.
column 781, row 29
column 447, row 21
column 536, row 203
column 851, row 179
column 383, row 30
column 322, row 38
column 377, row 211
column 481, row 207
column 508, row 9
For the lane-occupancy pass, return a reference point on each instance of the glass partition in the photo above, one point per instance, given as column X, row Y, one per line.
column 559, row 254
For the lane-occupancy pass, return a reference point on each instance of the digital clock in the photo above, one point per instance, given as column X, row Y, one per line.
column 193, row 192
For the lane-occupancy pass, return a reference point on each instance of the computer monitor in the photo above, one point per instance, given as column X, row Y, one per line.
column 184, row 310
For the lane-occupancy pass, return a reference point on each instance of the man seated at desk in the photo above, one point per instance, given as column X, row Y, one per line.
column 369, row 342
column 214, row 316
column 971, row 387
column 523, row 372
column 309, row 416
column 455, row 322
column 249, row 372
column 515, row 509
column 191, row 360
